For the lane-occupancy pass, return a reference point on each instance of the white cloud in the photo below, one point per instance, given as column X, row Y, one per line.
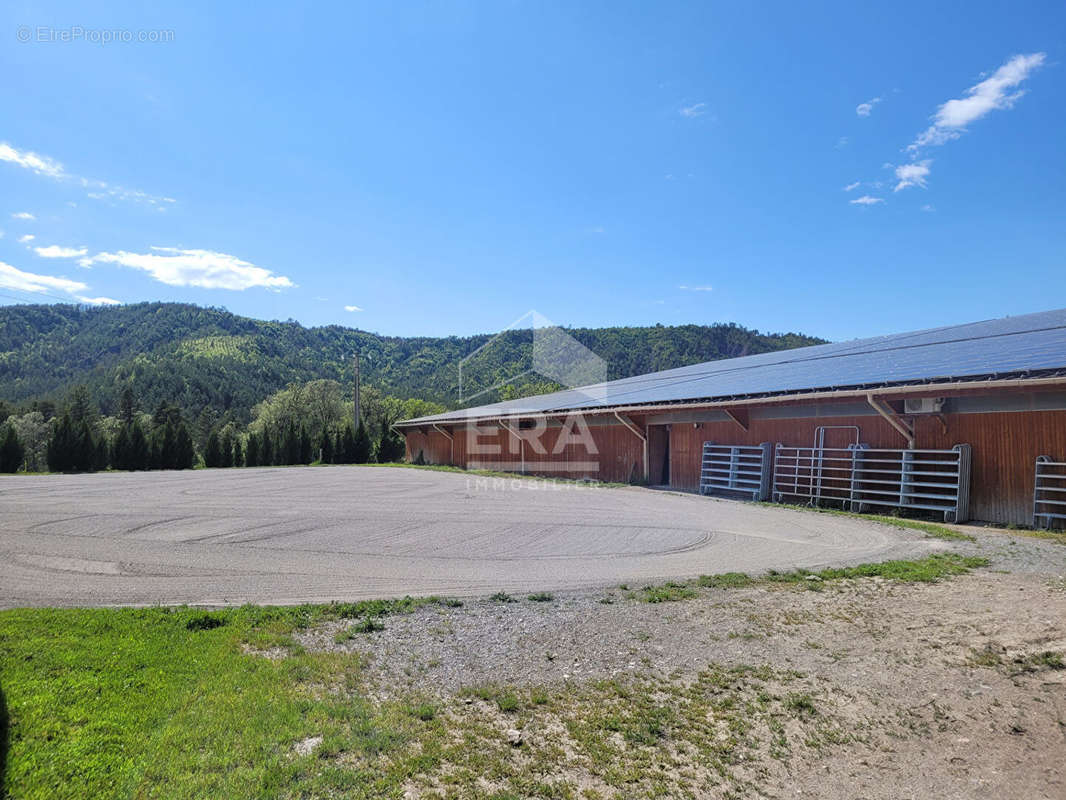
column 42, row 165
column 352, row 308
column 204, row 269
column 99, row 301
column 992, row 93
column 912, row 174
column 55, row 251
column 851, row 186
column 96, row 189
column 697, row 288
column 842, row 142
column 13, row 278
column 695, row 110
column 865, row 109
column 866, row 200
column 23, row 215
column 27, row 238
column 928, row 207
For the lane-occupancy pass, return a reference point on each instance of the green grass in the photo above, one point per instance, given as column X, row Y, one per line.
column 181, row 703
column 541, row 597
column 923, row 570
column 502, row 597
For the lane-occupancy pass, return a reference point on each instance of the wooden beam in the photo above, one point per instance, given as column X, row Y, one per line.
column 905, row 429
column 739, row 416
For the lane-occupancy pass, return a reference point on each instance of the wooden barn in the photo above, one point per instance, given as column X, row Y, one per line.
column 968, row 421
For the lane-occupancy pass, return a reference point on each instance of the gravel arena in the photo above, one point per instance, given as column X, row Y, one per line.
column 858, row 688
column 292, row 535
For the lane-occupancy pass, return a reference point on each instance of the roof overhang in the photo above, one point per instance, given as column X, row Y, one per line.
column 950, row 385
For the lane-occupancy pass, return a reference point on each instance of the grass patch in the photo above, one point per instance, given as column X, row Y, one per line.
column 924, row 570
column 667, row 593
column 362, row 627
column 502, row 597
column 382, row 608
column 995, row 657
column 726, row 580
column 541, row 597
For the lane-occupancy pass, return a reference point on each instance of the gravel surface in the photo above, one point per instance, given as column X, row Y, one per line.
column 300, row 534
column 944, row 684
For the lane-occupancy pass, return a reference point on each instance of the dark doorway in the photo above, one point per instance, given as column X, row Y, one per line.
column 659, row 455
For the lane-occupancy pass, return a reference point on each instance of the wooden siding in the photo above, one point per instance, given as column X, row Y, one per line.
column 1004, row 447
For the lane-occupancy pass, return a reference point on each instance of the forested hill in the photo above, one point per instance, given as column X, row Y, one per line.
column 201, row 358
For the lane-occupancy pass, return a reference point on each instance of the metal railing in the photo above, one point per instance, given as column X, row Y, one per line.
column 859, row 476
column 1049, row 492
column 736, row 468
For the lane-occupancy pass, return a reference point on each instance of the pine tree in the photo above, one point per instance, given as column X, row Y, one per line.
column 82, row 408
column 226, row 450
column 127, row 408
column 212, row 451
column 390, row 447
column 120, row 449
column 362, row 447
column 266, row 449
column 325, row 447
column 291, row 445
column 251, row 455
column 140, row 455
column 11, row 451
column 60, row 444
column 306, row 456
column 238, row 452
column 184, row 453
column 346, row 448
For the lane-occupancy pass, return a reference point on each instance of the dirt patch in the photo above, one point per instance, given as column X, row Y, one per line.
column 854, row 688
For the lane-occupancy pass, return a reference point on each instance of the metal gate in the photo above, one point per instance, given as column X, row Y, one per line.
column 858, row 476
column 1049, row 493
column 736, row 468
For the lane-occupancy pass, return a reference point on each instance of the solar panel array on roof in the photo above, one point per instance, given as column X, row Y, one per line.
column 1033, row 342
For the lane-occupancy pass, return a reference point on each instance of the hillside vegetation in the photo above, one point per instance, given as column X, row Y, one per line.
column 207, row 358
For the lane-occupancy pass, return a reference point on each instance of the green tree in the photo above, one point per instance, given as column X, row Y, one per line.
column 290, row 447
column 82, row 408
column 238, row 452
column 213, row 451
column 184, row 452
column 325, row 448
column 390, row 447
column 363, row 451
column 11, row 451
column 127, row 407
column 345, row 451
column 140, row 452
column 251, row 455
column 226, row 449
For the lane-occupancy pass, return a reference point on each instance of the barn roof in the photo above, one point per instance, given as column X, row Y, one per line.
column 1012, row 347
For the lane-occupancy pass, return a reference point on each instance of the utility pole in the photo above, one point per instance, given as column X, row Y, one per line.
column 355, row 367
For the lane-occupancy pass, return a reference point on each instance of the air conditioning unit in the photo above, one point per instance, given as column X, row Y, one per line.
column 923, row 405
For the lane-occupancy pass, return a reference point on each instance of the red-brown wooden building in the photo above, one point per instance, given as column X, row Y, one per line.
column 998, row 386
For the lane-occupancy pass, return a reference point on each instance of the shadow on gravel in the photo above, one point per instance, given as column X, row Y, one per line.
column 3, row 744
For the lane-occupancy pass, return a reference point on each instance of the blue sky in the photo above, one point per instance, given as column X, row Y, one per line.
column 445, row 167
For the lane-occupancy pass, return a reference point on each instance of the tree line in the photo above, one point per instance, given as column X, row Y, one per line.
column 301, row 424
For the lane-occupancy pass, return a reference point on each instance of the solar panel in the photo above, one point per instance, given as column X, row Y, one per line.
column 1011, row 345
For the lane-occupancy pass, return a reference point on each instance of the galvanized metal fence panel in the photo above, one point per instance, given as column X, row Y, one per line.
column 1049, row 493
column 859, row 476
column 736, row 468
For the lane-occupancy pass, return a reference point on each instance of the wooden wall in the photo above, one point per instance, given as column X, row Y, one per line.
column 1004, row 447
